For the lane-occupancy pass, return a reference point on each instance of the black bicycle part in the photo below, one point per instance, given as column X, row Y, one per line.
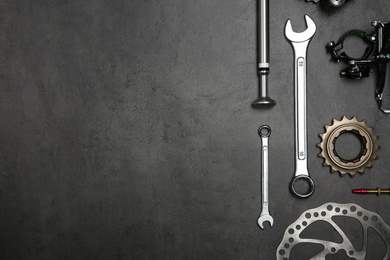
column 375, row 57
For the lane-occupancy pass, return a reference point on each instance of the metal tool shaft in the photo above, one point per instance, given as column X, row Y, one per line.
column 263, row 53
column 264, row 173
column 263, row 34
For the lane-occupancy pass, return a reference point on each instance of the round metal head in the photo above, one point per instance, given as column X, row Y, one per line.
column 302, row 36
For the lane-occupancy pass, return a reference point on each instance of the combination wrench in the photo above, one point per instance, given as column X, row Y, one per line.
column 300, row 42
column 264, row 133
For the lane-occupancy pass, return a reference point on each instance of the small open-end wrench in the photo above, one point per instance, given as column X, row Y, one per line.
column 300, row 42
column 264, row 133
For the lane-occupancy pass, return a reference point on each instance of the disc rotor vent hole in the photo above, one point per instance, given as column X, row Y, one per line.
column 350, row 146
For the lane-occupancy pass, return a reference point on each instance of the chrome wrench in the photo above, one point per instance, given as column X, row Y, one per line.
column 300, row 42
column 264, row 133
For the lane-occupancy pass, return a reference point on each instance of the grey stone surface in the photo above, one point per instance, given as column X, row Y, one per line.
column 127, row 132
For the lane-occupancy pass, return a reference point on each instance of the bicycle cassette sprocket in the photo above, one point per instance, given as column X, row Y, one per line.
column 367, row 152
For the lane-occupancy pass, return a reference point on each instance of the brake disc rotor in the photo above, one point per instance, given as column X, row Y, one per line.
column 326, row 212
column 367, row 141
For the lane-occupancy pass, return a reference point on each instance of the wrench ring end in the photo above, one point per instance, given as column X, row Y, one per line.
column 308, row 180
column 264, row 131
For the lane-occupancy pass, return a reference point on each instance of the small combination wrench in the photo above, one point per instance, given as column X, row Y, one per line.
column 300, row 42
column 264, row 133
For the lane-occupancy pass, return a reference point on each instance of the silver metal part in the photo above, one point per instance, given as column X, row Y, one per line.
column 300, row 42
column 335, row 3
column 263, row 31
column 264, row 133
column 263, row 100
column 330, row 3
column 326, row 212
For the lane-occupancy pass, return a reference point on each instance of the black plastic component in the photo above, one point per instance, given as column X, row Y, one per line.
column 264, row 102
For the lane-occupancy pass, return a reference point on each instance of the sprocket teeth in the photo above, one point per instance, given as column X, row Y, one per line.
column 325, row 164
column 342, row 174
column 338, row 128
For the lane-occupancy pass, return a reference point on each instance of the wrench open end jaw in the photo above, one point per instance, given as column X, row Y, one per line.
column 302, row 36
column 265, row 218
